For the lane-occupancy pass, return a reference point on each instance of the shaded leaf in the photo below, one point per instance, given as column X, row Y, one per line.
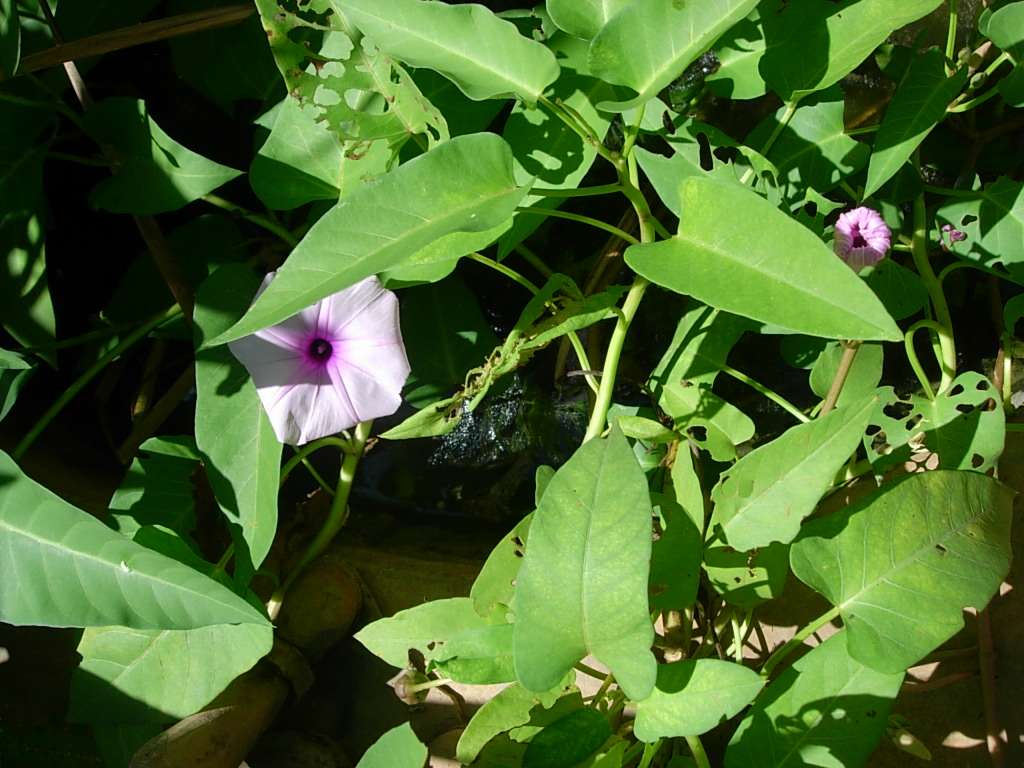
column 694, row 696
column 861, row 380
column 233, row 431
column 26, row 310
column 144, row 676
column 826, row 710
column 15, row 371
column 993, row 220
column 745, row 579
column 583, row 583
column 568, row 741
column 481, row 53
column 650, row 42
column 918, row 105
column 901, row 564
column 675, row 557
column 64, row 568
column 766, row 495
column 728, row 253
column 812, row 45
column 739, row 54
column 380, row 225
column 157, row 490
column 153, row 172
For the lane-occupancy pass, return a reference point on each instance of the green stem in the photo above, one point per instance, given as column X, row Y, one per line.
column 534, row 260
column 590, row 671
column 650, row 752
column 700, row 757
column 317, row 476
column 915, row 363
column 75, row 341
column 783, row 651
column 954, row 9
column 603, row 189
column 310, row 448
column 776, row 132
column 611, row 360
column 864, row 129
column 850, row 349
column 966, row 106
column 57, row 106
column 557, row 214
column 260, row 221
column 94, row 370
column 336, row 516
column 772, row 395
column 997, row 63
column 578, row 125
column 919, row 245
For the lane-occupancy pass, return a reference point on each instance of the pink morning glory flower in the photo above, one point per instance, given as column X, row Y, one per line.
column 862, row 238
column 331, row 366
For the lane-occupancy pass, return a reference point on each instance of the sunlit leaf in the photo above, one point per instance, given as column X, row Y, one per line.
column 650, row 42
column 582, row 587
column 1006, row 29
column 903, row 563
column 481, row 53
column 583, row 18
column 694, row 696
column 746, row 579
column 495, row 584
column 739, row 54
column 675, row 556
column 64, row 568
column 826, row 710
column 766, row 495
column 381, row 224
column 398, row 748
column 735, row 251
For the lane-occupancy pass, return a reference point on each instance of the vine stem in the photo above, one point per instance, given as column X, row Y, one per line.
column 850, row 349
column 771, row 394
column 784, row 650
column 954, row 15
column 336, row 516
column 250, row 216
column 309, row 448
column 776, row 132
column 597, row 223
column 79, row 384
column 919, row 246
column 697, row 750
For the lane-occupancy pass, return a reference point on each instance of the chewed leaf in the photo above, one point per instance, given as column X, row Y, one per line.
column 962, row 428
column 359, row 92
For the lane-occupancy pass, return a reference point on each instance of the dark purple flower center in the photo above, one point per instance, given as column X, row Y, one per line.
column 320, row 350
column 858, row 238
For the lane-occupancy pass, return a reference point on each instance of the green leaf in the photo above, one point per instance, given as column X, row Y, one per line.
column 962, row 428
column 482, row 54
column 675, row 555
column 582, row 587
column 545, row 147
column 739, row 54
column 233, row 431
column 302, row 161
column 766, row 495
column 583, row 18
column 154, row 173
column 10, row 38
column 735, row 251
column 862, row 378
column 574, row 315
column 709, row 421
column 917, row 107
column 509, row 709
column 445, row 334
column 26, row 310
column 648, row 44
column 826, row 710
column 449, row 633
column 381, row 225
column 398, row 748
column 648, row 430
column 694, row 696
column 1006, row 29
column 495, row 584
column 993, row 220
column 142, row 676
column 438, row 259
column 903, row 563
column 568, row 741
column 64, row 568
column 813, row 150
column 15, row 371
column 697, row 353
column 812, row 45
column 157, row 490
column 901, row 290
column 358, row 91
column 746, row 579
column 226, row 65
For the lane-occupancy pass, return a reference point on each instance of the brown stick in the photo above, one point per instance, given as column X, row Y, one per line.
column 139, row 34
column 150, row 421
column 845, row 363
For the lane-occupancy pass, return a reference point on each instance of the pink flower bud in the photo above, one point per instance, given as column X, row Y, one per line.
column 862, row 238
column 331, row 366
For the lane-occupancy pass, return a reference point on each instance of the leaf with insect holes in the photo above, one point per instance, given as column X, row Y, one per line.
column 963, row 428
column 903, row 563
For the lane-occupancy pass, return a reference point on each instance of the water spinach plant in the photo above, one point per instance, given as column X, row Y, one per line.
column 706, row 172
